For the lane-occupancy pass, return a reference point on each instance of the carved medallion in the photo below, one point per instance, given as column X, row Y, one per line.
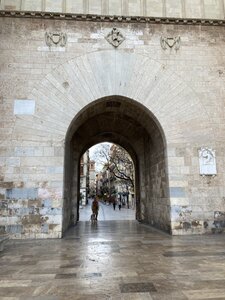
column 170, row 42
column 207, row 161
column 115, row 37
column 55, row 38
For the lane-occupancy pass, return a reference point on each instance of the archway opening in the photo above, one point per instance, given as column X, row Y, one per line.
column 107, row 173
column 125, row 122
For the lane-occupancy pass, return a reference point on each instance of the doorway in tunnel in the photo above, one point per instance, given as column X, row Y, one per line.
column 125, row 122
column 107, row 173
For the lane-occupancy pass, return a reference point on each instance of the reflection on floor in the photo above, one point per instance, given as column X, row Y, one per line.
column 114, row 260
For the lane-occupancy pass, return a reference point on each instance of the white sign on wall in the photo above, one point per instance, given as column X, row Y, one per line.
column 24, row 107
column 207, row 161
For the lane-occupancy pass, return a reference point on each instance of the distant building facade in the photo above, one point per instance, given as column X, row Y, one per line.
column 84, row 178
column 92, row 178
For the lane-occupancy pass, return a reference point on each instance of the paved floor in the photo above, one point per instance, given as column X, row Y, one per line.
column 114, row 260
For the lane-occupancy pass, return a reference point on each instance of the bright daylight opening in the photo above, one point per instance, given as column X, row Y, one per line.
column 107, row 174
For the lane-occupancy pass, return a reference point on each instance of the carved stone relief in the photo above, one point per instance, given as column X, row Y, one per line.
column 115, row 37
column 170, row 42
column 55, row 38
column 207, row 161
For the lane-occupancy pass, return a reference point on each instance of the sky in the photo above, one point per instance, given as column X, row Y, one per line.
column 93, row 155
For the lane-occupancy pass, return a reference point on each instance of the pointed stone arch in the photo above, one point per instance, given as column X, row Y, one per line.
column 72, row 86
column 122, row 121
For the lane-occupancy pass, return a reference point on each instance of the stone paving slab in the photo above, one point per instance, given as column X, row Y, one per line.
column 121, row 260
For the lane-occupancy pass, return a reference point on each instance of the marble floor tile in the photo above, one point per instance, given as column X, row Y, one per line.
column 207, row 293
column 140, row 287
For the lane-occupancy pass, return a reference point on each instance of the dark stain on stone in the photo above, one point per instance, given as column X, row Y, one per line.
column 52, row 226
column 6, row 185
column 195, row 223
column 72, row 265
column 206, row 224
column 2, row 196
column 142, row 287
column 180, row 253
column 19, row 185
column 219, row 222
column 33, row 219
column 35, row 203
column 92, row 275
column 2, row 229
column 3, row 205
column 44, row 184
column 186, row 225
column 66, row 276
column 217, row 230
column 66, row 84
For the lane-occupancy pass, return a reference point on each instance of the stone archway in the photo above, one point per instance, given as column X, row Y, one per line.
column 125, row 122
column 68, row 90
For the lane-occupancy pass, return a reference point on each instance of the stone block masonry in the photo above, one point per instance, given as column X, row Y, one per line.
column 28, row 212
column 181, row 89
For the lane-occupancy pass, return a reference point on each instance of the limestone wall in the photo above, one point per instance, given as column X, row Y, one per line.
column 43, row 88
column 206, row 9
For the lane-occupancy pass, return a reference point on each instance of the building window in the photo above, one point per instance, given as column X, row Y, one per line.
column 81, row 170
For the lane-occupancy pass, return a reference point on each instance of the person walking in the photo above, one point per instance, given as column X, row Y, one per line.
column 114, row 204
column 95, row 208
column 120, row 205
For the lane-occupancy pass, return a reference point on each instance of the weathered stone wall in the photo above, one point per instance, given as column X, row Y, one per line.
column 184, row 90
column 158, row 186
column 154, row 182
column 206, row 9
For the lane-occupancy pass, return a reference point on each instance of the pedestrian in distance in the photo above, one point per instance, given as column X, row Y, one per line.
column 95, row 208
column 114, row 204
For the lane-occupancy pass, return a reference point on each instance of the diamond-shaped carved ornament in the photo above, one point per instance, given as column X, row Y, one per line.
column 171, row 42
column 115, row 37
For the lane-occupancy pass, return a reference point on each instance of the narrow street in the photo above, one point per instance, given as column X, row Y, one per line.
column 106, row 212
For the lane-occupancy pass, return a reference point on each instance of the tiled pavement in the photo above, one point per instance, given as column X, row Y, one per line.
column 114, row 260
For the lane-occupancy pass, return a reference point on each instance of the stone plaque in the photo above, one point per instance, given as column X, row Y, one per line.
column 207, row 161
column 24, row 107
